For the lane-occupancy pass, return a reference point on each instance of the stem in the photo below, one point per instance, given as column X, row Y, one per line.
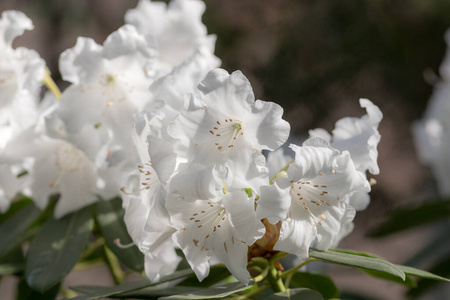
column 282, row 170
column 92, row 247
column 275, row 280
column 113, row 264
column 252, row 293
column 294, row 269
column 50, row 84
column 288, row 274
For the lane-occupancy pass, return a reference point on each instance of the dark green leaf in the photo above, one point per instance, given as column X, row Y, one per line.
column 9, row 269
column 109, row 216
column 214, row 292
column 409, row 282
column 316, row 281
column 146, row 293
column 56, row 248
column 421, row 273
column 358, row 261
column 12, row 230
column 16, row 205
column 355, row 296
column 297, row 294
column 412, row 217
column 26, row 293
column 103, row 292
column 217, row 273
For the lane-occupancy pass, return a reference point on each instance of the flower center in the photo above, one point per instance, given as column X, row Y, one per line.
column 227, row 133
column 210, row 219
column 68, row 159
column 306, row 193
column 146, row 179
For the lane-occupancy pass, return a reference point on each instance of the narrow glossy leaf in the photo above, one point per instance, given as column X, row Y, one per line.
column 12, row 230
column 358, row 261
column 409, row 282
column 217, row 273
column 316, row 281
column 13, row 262
column 296, row 294
column 56, row 248
column 421, row 273
column 26, row 293
column 109, row 216
column 214, row 292
column 412, row 217
column 146, row 293
column 355, row 296
column 103, row 292
column 16, row 205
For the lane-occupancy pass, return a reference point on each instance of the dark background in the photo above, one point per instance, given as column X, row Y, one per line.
column 315, row 58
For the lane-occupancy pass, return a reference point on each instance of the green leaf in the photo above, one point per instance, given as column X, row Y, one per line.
column 214, row 292
column 26, row 293
column 358, row 261
column 421, row 273
column 109, row 217
column 316, row 281
column 407, row 218
column 10, row 268
column 146, row 293
column 409, row 282
column 103, row 292
column 15, row 207
column 56, row 248
column 217, row 273
column 12, row 230
column 297, row 294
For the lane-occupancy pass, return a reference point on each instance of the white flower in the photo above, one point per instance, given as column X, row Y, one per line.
column 176, row 29
column 359, row 136
column 311, row 198
column 21, row 72
column 144, row 196
column 432, row 133
column 211, row 223
column 59, row 166
column 9, row 186
column 110, row 84
column 183, row 79
column 276, row 161
column 226, row 125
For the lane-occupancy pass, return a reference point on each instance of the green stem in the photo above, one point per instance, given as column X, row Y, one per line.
column 289, row 273
column 274, row 278
column 92, row 247
column 113, row 264
column 282, row 170
column 252, row 292
column 292, row 271
column 50, row 84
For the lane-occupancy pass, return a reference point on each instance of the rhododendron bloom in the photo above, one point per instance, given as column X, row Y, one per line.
column 211, row 223
column 225, row 124
column 175, row 29
column 359, row 136
column 310, row 198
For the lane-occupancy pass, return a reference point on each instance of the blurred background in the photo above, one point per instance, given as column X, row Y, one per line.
column 316, row 59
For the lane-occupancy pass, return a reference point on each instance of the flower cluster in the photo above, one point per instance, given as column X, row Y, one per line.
column 153, row 96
